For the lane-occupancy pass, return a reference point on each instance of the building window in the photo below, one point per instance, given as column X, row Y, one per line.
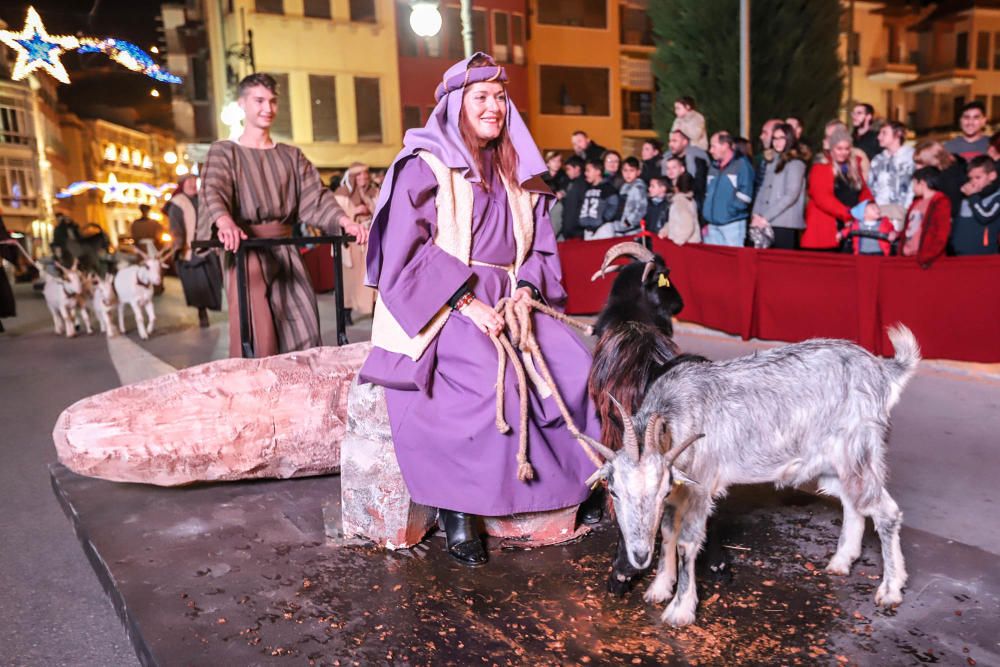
column 363, row 11
column 368, row 106
column 480, row 31
column 281, row 128
column 995, row 109
column 517, row 38
column 575, row 91
column 576, row 13
column 17, row 183
column 323, row 92
column 854, row 49
column 316, row 9
column 411, row 118
column 501, row 36
column 453, row 30
column 199, row 77
column 983, row 51
column 962, row 50
column 635, row 26
column 269, row 6
column 406, row 38
column 996, row 50
column 637, row 110
column 956, row 109
column 14, row 122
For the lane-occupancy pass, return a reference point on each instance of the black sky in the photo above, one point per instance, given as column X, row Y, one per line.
column 100, row 88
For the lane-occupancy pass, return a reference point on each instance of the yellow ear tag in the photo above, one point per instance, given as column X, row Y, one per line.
column 663, row 280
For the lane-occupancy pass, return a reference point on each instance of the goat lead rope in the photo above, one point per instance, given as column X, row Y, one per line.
column 518, row 322
column 28, row 257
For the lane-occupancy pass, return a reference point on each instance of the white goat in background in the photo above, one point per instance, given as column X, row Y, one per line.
column 135, row 285
column 103, row 301
column 817, row 410
column 62, row 297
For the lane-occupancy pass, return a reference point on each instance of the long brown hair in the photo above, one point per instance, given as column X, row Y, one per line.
column 504, row 155
column 940, row 154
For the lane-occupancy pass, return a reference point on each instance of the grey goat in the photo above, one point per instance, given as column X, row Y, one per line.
column 817, row 410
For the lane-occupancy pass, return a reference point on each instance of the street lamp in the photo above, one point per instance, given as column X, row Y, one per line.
column 425, row 19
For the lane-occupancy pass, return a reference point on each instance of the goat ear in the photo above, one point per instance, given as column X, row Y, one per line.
column 680, row 477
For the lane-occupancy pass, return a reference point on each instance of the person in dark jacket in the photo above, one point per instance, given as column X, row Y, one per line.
column 585, row 147
column 953, row 170
column 601, row 203
column 928, row 220
column 555, row 177
column 696, row 162
column 8, row 252
column 652, row 159
column 612, row 161
column 977, row 226
column 572, row 201
column 657, row 206
column 865, row 133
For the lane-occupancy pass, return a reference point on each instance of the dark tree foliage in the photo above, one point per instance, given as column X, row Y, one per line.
column 794, row 65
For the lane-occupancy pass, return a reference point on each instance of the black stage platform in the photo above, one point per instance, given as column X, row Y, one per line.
column 243, row 574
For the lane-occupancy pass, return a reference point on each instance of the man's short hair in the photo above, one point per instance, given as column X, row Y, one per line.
column 974, row 104
column 662, row 180
column 929, row 176
column 257, row 79
column 678, row 160
column 681, row 134
column 898, row 129
column 596, row 164
column 724, row 137
column 144, row 209
column 655, row 143
column 984, row 162
column 574, row 161
column 580, row 133
column 869, row 109
column 633, row 162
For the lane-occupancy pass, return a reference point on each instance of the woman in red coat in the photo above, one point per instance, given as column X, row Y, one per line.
column 928, row 220
column 835, row 186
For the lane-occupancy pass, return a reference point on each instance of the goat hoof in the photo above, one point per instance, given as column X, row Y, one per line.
column 677, row 617
column 619, row 585
column 886, row 596
column 839, row 566
column 657, row 594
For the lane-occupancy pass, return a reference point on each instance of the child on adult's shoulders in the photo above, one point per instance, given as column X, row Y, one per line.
column 871, row 232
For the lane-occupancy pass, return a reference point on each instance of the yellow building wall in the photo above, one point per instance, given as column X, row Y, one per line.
column 578, row 47
column 296, row 45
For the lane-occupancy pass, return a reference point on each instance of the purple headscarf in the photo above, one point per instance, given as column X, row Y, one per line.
column 442, row 138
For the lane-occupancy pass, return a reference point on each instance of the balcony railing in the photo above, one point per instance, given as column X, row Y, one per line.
column 883, row 70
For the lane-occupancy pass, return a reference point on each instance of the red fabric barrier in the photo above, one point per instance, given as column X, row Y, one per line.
column 953, row 308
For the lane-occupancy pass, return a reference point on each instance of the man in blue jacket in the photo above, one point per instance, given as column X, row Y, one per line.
column 729, row 193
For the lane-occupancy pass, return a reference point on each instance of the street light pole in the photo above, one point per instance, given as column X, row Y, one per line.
column 745, row 68
column 467, row 34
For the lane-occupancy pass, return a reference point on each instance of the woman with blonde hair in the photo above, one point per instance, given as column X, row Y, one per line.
column 930, row 153
column 357, row 195
column 835, row 185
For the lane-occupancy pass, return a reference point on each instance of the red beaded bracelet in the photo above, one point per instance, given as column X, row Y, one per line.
column 464, row 300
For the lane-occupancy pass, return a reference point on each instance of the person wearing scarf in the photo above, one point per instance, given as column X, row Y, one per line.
column 357, row 195
column 461, row 222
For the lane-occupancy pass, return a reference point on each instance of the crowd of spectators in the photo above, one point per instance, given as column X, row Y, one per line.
column 865, row 190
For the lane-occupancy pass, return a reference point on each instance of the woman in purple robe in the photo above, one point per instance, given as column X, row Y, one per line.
column 474, row 167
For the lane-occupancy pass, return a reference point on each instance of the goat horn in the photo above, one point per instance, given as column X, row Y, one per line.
column 601, row 449
column 651, row 442
column 139, row 252
column 603, row 271
column 650, row 267
column 630, row 248
column 679, row 449
column 630, row 441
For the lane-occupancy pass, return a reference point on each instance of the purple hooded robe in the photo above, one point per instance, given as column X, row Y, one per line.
column 442, row 406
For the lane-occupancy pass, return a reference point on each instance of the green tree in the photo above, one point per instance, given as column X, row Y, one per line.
column 794, row 65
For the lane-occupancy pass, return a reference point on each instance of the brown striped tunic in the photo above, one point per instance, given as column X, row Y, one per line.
column 270, row 187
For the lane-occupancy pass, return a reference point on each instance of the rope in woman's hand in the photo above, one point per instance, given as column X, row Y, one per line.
column 517, row 320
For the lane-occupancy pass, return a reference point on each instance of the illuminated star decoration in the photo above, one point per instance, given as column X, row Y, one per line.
column 128, row 55
column 115, row 191
column 37, row 49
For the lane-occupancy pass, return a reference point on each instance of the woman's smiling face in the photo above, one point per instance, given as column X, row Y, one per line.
column 485, row 109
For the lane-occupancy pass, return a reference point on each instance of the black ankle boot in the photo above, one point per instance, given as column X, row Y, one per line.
column 592, row 509
column 463, row 540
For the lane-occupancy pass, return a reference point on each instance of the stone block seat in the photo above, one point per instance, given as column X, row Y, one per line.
column 377, row 505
